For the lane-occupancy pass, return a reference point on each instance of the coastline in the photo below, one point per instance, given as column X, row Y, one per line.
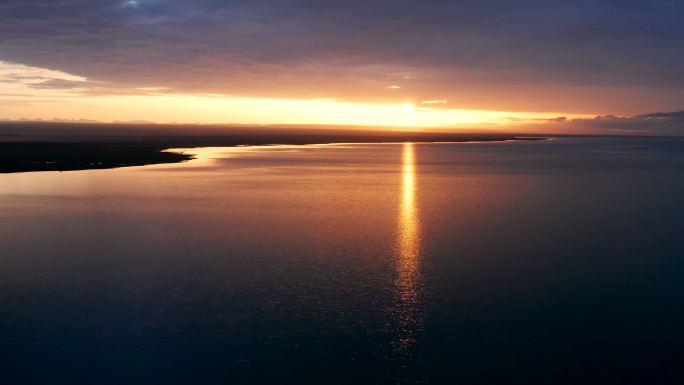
column 45, row 147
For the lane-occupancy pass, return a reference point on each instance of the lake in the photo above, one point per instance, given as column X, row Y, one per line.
column 558, row 261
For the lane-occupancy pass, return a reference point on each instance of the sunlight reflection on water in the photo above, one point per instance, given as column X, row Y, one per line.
column 408, row 262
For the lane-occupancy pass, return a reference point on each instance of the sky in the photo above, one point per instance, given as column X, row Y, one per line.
column 592, row 65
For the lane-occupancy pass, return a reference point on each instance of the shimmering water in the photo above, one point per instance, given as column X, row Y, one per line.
column 520, row 262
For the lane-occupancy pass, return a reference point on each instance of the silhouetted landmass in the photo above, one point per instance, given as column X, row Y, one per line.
column 21, row 157
column 64, row 147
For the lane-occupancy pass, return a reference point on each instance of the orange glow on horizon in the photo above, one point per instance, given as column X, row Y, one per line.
column 83, row 99
column 164, row 108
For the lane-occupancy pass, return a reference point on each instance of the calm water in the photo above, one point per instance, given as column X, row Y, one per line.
column 520, row 262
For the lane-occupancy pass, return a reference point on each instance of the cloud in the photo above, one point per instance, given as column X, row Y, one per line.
column 18, row 73
column 59, row 84
column 676, row 116
column 581, row 56
column 20, row 82
column 656, row 123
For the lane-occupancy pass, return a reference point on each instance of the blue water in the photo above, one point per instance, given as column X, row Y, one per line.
column 555, row 262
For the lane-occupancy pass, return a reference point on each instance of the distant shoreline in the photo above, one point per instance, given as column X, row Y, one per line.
column 31, row 157
column 49, row 147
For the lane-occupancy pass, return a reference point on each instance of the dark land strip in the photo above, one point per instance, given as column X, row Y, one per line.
column 67, row 147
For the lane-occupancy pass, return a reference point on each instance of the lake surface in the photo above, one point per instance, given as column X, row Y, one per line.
column 551, row 262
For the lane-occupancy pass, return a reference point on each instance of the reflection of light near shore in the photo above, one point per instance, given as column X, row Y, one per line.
column 409, row 250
